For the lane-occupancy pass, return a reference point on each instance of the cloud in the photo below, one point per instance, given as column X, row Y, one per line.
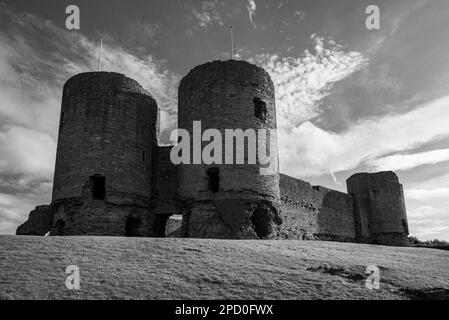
column 338, row 183
column 301, row 83
column 409, row 161
column 301, row 15
column 307, row 150
column 36, row 58
column 427, row 194
column 427, row 205
column 28, row 152
column 207, row 15
column 428, row 222
column 251, row 7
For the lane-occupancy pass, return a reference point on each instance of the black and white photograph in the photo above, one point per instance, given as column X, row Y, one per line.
column 219, row 157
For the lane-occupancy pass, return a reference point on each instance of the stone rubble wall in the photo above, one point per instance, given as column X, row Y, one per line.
column 38, row 223
column 315, row 212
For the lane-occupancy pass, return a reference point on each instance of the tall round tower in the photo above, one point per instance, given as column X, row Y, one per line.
column 229, row 199
column 107, row 137
column 379, row 208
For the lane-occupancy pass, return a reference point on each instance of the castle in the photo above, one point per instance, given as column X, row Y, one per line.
column 113, row 179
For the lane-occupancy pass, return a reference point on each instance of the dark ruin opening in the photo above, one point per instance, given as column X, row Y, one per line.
column 214, row 179
column 59, row 228
column 143, row 156
column 261, row 222
column 160, row 225
column 98, row 185
column 260, row 109
column 132, row 227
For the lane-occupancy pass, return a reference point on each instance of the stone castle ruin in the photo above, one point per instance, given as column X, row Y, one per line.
column 113, row 179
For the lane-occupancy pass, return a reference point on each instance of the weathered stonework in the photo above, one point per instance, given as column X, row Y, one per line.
column 223, row 95
column 39, row 222
column 379, row 208
column 108, row 126
column 315, row 212
column 112, row 178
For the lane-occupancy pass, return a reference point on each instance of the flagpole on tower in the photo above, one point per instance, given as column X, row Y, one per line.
column 232, row 43
column 100, row 54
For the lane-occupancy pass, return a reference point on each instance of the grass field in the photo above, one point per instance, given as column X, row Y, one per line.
column 156, row 268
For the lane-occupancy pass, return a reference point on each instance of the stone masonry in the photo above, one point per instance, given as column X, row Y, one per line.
column 112, row 178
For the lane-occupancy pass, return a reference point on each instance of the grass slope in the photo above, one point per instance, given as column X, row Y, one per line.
column 153, row 268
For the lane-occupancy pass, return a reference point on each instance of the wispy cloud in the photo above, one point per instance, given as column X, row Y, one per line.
column 301, row 83
column 316, row 151
column 409, row 161
column 251, row 7
column 207, row 14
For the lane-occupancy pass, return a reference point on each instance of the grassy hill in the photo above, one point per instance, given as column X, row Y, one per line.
column 156, row 268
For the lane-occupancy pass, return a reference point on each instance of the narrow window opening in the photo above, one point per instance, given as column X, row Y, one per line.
column 132, row 227
column 214, row 179
column 143, row 156
column 98, row 185
column 59, row 227
column 260, row 109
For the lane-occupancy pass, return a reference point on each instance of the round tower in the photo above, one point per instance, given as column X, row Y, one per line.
column 107, row 137
column 230, row 199
column 379, row 205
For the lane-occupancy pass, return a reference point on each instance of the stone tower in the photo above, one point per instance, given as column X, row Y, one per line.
column 228, row 200
column 107, row 139
column 379, row 208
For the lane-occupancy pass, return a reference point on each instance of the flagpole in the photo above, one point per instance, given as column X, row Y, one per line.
column 232, row 43
column 100, row 54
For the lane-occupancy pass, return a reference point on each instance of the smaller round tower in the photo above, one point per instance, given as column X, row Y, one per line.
column 379, row 208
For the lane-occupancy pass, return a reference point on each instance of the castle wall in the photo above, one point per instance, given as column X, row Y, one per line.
column 108, row 126
column 84, row 216
column 165, row 183
column 315, row 212
column 222, row 95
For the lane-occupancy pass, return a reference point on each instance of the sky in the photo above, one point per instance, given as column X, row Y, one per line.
column 349, row 99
